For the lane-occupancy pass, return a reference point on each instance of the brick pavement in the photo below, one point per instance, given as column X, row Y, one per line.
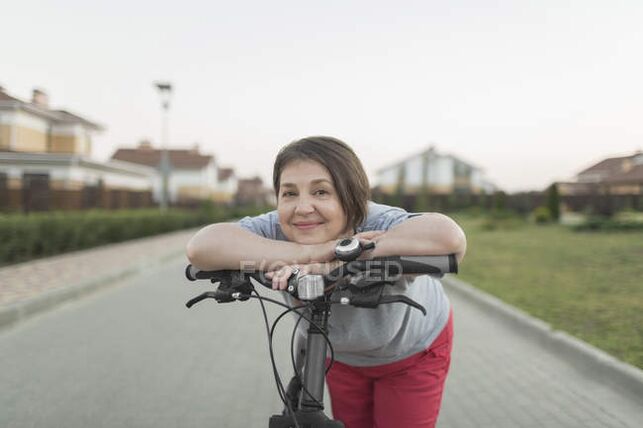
column 25, row 281
column 501, row 377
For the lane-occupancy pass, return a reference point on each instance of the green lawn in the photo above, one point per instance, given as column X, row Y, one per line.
column 589, row 284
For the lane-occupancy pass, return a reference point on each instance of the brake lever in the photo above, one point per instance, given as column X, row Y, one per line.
column 223, row 294
column 372, row 299
column 200, row 297
column 402, row 299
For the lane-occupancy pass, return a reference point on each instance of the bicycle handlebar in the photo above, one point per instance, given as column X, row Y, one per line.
column 391, row 265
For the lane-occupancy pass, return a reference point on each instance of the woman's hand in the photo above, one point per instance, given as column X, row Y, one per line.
column 323, row 260
column 367, row 238
column 281, row 276
column 325, row 252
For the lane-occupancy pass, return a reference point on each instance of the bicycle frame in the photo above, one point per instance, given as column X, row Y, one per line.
column 310, row 411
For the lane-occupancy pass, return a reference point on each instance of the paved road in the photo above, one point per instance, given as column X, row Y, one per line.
column 133, row 356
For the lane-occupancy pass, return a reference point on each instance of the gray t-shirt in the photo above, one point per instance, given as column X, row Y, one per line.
column 388, row 333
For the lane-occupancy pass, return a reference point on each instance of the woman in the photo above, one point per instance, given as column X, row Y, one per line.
column 391, row 362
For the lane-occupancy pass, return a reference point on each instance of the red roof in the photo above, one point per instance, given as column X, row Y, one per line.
column 615, row 170
column 607, row 166
column 225, row 173
column 56, row 115
column 6, row 97
column 181, row 159
column 635, row 174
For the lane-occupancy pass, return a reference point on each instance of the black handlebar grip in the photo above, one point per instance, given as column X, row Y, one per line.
column 190, row 272
column 193, row 273
column 429, row 264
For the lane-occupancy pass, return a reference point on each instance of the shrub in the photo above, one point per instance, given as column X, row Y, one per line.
column 542, row 215
column 25, row 237
column 608, row 224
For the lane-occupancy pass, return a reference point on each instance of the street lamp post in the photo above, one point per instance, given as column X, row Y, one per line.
column 165, row 90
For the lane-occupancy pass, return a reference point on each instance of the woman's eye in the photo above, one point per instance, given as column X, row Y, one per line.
column 321, row 192
column 288, row 194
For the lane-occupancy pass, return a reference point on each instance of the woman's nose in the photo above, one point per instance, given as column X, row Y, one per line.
column 304, row 206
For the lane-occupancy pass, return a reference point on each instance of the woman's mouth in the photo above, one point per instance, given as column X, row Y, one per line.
column 306, row 226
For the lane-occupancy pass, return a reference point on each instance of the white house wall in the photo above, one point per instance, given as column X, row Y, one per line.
column 36, row 123
column 204, row 178
column 13, row 172
column 69, row 130
column 413, row 172
column 55, row 172
column 476, row 179
column 81, row 174
column 387, row 177
column 185, row 178
column 110, row 179
column 228, row 186
column 441, row 171
column 31, row 121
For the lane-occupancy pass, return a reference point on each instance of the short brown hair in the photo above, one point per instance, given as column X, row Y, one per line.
column 344, row 167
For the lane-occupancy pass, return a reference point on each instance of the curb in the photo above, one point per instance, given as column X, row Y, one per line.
column 20, row 311
column 583, row 356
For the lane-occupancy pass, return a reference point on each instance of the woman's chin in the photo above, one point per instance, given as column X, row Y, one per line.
column 309, row 240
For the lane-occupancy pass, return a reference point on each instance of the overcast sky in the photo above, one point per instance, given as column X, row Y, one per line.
column 530, row 91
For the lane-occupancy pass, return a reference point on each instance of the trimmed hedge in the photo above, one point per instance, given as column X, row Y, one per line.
column 596, row 224
column 26, row 237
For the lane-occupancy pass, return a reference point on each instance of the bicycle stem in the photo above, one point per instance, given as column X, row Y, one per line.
column 315, row 359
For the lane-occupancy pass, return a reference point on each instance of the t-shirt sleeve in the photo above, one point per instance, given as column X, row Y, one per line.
column 384, row 217
column 263, row 225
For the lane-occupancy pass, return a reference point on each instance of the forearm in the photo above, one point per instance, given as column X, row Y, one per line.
column 428, row 234
column 229, row 246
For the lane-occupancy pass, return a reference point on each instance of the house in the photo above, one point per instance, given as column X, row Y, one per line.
column 193, row 176
column 620, row 175
column 33, row 127
column 251, row 191
column 607, row 186
column 227, row 186
column 45, row 161
column 437, row 173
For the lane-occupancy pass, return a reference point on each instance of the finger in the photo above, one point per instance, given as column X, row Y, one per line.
column 369, row 234
column 276, row 278
column 282, row 278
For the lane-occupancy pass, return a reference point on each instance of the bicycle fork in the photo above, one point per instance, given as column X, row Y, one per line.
column 310, row 413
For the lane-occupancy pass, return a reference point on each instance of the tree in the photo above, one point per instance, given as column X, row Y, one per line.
column 398, row 197
column 499, row 201
column 553, row 202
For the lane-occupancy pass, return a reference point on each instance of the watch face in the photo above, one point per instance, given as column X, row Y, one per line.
column 348, row 249
column 345, row 242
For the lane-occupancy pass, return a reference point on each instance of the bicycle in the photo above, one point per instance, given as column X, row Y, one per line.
column 358, row 283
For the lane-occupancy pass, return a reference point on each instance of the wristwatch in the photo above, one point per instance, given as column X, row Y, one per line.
column 349, row 249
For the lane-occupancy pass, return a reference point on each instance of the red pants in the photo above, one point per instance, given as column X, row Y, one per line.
column 406, row 393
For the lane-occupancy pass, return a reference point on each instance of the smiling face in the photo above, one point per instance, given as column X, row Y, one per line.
column 308, row 205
